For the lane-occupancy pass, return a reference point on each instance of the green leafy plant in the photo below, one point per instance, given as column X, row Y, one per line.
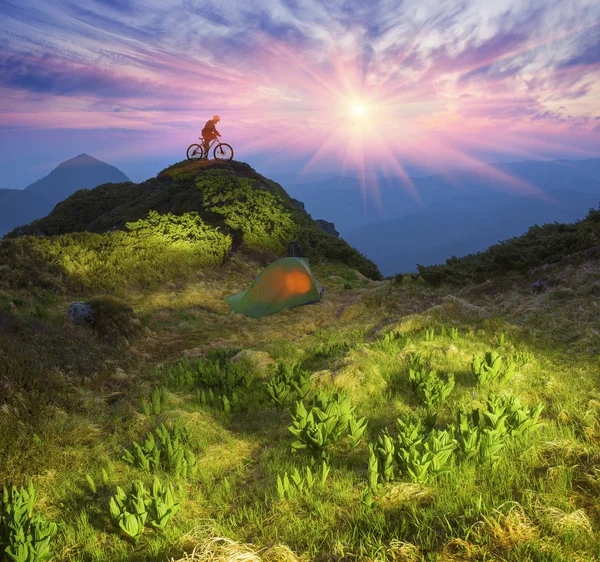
column 300, row 482
column 468, row 432
column 431, row 389
column 383, row 452
column 169, row 451
column 492, row 367
column 161, row 505
column 289, row 383
column 429, row 334
column 391, row 340
column 428, row 457
column 483, row 433
column 373, row 469
column 454, row 333
column 91, row 484
column 130, row 511
column 519, row 418
column 367, row 502
column 24, row 537
column 356, row 430
column 323, row 424
column 523, row 357
column 417, row 361
column 158, row 402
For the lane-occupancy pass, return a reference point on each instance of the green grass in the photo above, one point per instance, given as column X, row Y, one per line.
column 538, row 503
column 72, row 397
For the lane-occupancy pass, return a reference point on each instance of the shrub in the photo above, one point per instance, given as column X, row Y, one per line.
column 540, row 245
column 248, row 208
column 113, row 318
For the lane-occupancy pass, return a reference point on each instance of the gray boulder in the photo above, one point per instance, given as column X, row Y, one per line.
column 82, row 314
column 540, row 285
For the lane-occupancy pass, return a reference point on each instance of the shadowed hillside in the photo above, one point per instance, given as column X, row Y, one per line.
column 192, row 215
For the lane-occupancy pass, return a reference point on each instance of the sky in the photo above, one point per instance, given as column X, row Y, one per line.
column 301, row 86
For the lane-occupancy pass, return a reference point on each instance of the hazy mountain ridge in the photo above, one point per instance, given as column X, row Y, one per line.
column 462, row 215
column 431, row 238
column 341, row 200
column 21, row 206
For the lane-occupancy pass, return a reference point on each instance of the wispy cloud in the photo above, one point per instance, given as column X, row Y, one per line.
column 284, row 68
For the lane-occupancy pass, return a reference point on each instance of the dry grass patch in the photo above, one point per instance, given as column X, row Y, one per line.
column 402, row 551
column 209, row 547
column 505, row 531
column 406, row 492
column 575, row 523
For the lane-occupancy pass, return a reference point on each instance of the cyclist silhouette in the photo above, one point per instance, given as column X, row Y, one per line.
column 210, row 132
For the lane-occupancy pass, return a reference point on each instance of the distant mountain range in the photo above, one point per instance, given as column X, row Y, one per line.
column 21, row 206
column 456, row 213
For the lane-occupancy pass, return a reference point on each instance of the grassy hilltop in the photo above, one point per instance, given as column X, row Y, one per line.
column 452, row 417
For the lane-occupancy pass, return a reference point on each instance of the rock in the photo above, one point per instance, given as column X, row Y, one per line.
column 298, row 204
column 260, row 359
column 82, row 314
column 328, row 227
column 540, row 285
column 195, row 353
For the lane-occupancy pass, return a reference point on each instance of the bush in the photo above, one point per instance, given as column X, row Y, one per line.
column 248, row 208
column 539, row 245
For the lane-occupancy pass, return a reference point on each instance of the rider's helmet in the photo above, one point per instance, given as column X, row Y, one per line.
column 216, row 118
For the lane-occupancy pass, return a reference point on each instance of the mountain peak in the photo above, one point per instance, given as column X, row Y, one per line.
column 82, row 159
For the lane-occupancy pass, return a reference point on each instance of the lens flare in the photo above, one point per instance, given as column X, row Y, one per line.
column 359, row 109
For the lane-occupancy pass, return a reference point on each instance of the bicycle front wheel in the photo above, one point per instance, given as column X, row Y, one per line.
column 223, row 152
column 194, row 152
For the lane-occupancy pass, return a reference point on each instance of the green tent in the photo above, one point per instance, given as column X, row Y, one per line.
column 286, row 283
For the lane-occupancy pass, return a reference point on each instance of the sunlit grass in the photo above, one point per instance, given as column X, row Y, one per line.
column 538, row 503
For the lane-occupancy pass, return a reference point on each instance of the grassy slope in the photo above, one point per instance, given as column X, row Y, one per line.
column 197, row 187
column 72, row 400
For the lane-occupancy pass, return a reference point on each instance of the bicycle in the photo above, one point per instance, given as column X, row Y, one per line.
column 221, row 151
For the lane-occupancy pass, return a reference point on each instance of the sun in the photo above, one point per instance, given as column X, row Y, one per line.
column 359, row 109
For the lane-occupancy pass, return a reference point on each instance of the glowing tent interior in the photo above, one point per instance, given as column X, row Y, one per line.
column 286, row 283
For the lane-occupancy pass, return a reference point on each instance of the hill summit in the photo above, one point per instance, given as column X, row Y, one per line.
column 191, row 216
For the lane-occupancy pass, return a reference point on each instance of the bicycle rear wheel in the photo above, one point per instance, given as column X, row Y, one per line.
column 223, row 152
column 194, row 152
